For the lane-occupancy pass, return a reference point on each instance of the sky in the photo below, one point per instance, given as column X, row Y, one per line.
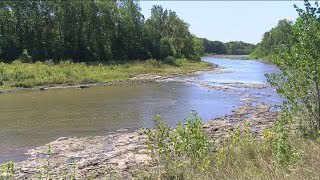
column 228, row 20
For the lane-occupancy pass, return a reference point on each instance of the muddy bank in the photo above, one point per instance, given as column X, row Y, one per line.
column 124, row 153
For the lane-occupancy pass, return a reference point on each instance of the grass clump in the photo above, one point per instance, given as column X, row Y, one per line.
column 18, row 74
column 187, row 153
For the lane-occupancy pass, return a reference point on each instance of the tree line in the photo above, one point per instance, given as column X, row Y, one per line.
column 272, row 39
column 230, row 48
column 93, row 30
column 99, row 30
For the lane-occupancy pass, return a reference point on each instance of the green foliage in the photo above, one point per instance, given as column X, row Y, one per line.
column 18, row 74
column 168, row 35
column 170, row 60
column 230, row 48
column 7, row 171
column 235, row 140
column 185, row 153
column 299, row 80
column 214, row 47
column 90, row 31
column 273, row 39
column 198, row 49
column 283, row 150
column 239, row 48
column 191, row 141
column 186, row 146
column 25, row 57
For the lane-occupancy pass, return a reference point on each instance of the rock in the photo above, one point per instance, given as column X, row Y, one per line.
column 146, row 78
column 84, row 86
column 42, row 89
column 122, row 165
column 123, row 152
column 24, row 170
column 62, row 138
column 122, row 129
column 206, row 126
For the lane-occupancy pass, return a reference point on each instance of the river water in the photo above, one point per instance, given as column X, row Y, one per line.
column 34, row 118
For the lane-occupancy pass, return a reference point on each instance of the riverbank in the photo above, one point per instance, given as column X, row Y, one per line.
column 226, row 56
column 243, row 57
column 124, row 154
column 41, row 76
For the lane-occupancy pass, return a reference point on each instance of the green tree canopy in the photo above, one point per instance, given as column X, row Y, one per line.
column 231, row 48
column 299, row 61
column 274, row 38
column 93, row 30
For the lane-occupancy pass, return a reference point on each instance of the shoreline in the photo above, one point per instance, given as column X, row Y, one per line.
column 141, row 78
column 241, row 57
column 231, row 57
column 125, row 152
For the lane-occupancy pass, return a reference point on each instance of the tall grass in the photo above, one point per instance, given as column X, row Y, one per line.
column 243, row 155
column 26, row 75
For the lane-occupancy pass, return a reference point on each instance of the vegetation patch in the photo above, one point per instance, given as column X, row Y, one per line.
column 26, row 75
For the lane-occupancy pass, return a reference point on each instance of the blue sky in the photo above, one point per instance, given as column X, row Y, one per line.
column 229, row 20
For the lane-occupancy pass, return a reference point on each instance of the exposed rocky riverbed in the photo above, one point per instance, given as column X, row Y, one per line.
column 124, row 153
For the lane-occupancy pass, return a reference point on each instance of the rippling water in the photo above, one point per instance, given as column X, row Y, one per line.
column 30, row 119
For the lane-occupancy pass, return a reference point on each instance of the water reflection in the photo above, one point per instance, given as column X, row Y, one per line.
column 30, row 119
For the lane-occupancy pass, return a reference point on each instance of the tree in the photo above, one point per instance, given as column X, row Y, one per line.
column 167, row 35
column 232, row 47
column 92, row 30
column 299, row 80
column 239, row 48
column 274, row 38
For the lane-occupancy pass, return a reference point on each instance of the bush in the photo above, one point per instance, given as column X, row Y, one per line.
column 186, row 147
column 170, row 60
column 154, row 63
column 6, row 171
column 196, row 58
column 25, row 57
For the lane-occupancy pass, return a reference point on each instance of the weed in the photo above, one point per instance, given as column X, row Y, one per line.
column 7, row 171
column 176, row 150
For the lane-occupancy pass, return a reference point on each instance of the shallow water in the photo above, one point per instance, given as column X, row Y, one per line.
column 244, row 71
column 30, row 119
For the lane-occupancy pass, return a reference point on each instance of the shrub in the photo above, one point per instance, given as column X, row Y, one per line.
column 6, row 171
column 170, row 60
column 154, row 63
column 299, row 80
column 175, row 150
column 49, row 62
column 25, row 57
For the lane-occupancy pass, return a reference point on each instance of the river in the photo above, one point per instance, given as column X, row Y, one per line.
column 34, row 118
